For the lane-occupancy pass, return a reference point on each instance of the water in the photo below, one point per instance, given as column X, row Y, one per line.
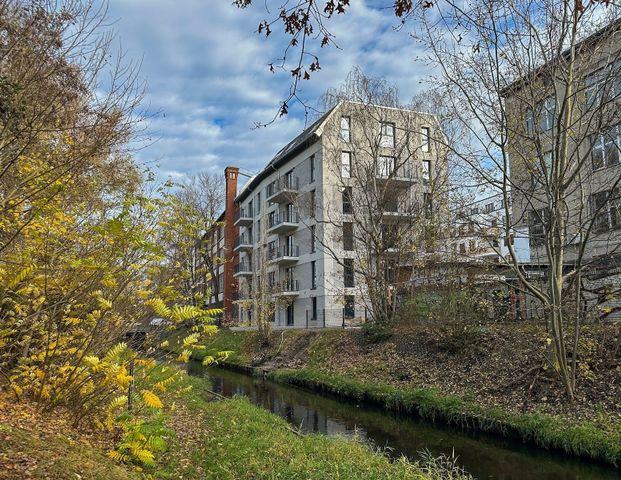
column 484, row 456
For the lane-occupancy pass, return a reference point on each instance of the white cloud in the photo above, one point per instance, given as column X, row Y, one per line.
column 208, row 81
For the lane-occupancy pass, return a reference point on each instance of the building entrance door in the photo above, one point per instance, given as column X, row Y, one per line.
column 290, row 317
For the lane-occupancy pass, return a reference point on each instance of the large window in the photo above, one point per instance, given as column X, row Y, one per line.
column 385, row 166
column 313, row 275
column 537, row 221
column 603, row 85
column 606, row 208
column 348, row 272
column 605, row 147
column 312, row 238
column 348, row 236
column 426, row 170
column 539, row 176
column 346, row 129
column 387, row 135
column 346, row 164
column 312, row 168
column 425, row 139
column 347, row 200
column 350, row 306
column 546, row 113
column 314, row 308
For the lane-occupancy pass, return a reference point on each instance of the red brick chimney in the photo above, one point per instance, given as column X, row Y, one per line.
column 230, row 232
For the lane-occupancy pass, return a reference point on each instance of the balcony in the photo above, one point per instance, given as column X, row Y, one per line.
column 283, row 222
column 288, row 288
column 283, row 190
column 241, row 296
column 243, row 217
column 397, row 215
column 242, row 269
column 242, row 242
column 285, row 255
column 402, row 177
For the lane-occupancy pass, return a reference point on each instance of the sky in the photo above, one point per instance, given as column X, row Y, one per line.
column 208, row 83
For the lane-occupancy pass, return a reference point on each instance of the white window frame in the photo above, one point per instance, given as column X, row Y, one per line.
column 345, row 131
column 387, row 135
column 345, row 164
column 425, row 143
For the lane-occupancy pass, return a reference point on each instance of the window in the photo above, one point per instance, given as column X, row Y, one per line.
column 258, row 202
column 605, row 147
column 348, row 272
column 312, row 168
column 426, row 170
column 530, row 122
column 313, row 308
column 462, row 248
column 604, row 84
column 385, row 166
column 346, row 164
column 425, row 139
column 537, row 220
column 489, row 208
column 312, row 238
column 347, row 200
column 546, row 113
column 539, row 177
column 271, row 219
column 271, row 249
column 345, row 129
column 271, row 279
column 606, row 208
column 313, row 275
column 387, row 135
column 348, row 236
column 312, row 205
column 221, row 283
column 350, row 307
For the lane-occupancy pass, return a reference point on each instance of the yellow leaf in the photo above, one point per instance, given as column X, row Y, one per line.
column 151, row 399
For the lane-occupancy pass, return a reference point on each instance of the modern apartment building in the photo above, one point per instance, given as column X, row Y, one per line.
column 584, row 179
column 295, row 228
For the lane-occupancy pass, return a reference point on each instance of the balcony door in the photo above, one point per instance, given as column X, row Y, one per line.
column 290, row 315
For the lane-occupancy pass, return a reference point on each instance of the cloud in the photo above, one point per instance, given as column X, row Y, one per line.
column 208, row 81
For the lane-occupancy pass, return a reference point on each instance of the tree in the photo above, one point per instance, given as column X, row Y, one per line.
column 519, row 79
column 386, row 191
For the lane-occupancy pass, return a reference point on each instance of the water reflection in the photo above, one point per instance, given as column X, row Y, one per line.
column 485, row 456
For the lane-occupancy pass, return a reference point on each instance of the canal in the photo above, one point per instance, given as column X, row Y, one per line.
column 484, row 456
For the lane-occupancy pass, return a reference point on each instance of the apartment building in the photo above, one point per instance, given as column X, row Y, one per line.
column 293, row 228
column 480, row 235
column 588, row 172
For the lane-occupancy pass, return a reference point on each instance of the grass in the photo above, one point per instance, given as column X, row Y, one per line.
column 583, row 439
column 237, row 440
column 56, row 457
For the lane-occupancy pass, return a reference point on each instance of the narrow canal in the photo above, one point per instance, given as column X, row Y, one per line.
column 484, row 456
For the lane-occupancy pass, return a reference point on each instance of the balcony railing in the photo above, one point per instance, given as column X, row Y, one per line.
column 289, row 287
column 242, row 242
column 283, row 221
column 403, row 171
column 285, row 253
column 243, row 268
column 243, row 216
column 283, row 189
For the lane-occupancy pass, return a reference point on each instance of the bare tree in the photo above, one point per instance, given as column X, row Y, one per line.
column 537, row 98
column 386, row 191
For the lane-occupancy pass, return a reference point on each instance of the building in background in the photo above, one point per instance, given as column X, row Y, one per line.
column 293, row 225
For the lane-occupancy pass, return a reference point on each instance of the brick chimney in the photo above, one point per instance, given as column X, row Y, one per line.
column 230, row 232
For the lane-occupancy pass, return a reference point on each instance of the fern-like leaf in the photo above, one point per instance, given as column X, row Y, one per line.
column 151, row 399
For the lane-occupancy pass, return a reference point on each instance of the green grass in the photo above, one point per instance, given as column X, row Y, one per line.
column 241, row 441
column 56, row 457
column 583, row 439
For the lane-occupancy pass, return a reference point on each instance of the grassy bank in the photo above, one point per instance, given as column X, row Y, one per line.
column 221, row 439
column 324, row 362
column 26, row 454
column 232, row 439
